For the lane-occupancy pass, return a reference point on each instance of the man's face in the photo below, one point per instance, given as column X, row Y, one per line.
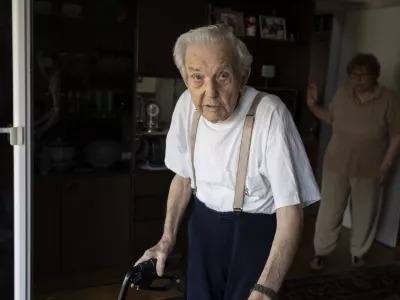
column 362, row 80
column 212, row 80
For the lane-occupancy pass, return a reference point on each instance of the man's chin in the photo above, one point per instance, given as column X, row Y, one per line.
column 213, row 118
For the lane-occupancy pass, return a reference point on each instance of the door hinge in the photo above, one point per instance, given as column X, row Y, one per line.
column 16, row 135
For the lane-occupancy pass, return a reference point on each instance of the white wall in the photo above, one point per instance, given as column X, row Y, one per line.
column 377, row 31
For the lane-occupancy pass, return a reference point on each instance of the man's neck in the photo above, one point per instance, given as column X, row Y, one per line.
column 237, row 101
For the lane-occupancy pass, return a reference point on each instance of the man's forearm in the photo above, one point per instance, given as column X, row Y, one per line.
column 178, row 199
column 392, row 151
column 284, row 247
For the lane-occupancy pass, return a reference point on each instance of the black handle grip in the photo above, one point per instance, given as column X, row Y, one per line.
column 146, row 267
column 149, row 266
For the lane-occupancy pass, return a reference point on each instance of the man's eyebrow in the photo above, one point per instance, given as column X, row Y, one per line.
column 225, row 66
column 193, row 69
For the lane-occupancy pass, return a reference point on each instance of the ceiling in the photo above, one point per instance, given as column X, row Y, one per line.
column 330, row 6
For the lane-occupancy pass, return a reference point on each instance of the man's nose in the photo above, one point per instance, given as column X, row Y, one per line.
column 211, row 90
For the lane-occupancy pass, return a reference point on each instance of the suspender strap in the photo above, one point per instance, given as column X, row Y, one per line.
column 193, row 132
column 244, row 154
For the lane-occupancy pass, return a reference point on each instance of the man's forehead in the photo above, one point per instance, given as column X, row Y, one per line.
column 193, row 67
column 204, row 54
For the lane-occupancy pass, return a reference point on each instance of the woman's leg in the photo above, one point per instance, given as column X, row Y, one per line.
column 335, row 194
column 366, row 205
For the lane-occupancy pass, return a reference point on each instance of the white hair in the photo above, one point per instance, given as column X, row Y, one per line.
column 215, row 35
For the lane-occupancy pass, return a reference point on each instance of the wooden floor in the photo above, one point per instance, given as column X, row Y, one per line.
column 338, row 262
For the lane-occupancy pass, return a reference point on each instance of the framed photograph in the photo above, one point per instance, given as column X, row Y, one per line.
column 230, row 18
column 272, row 28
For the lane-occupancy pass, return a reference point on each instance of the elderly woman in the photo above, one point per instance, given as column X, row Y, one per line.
column 246, row 221
column 365, row 119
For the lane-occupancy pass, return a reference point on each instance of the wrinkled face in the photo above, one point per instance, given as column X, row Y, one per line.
column 213, row 80
column 362, row 80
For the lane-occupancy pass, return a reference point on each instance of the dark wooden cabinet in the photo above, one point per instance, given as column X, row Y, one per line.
column 81, row 223
column 95, row 223
column 160, row 24
column 46, row 239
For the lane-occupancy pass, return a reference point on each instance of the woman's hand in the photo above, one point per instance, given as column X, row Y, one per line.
column 312, row 95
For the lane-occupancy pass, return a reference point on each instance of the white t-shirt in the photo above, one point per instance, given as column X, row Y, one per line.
column 278, row 171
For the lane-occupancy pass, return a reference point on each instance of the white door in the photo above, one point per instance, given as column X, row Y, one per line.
column 20, row 140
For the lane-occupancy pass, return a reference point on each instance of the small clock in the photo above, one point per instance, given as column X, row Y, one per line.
column 153, row 109
column 153, row 113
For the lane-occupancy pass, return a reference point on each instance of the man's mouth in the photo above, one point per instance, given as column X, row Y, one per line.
column 212, row 107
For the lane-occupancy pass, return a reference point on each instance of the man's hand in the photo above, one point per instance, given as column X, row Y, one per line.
column 258, row 296
column 160, row 252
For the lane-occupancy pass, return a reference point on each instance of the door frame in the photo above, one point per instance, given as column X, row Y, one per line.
column 21, row 52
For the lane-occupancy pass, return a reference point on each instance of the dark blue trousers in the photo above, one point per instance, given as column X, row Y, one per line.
column 227, row 252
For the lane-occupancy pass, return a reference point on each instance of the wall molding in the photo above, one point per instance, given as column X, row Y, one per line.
column 333, row 6
column 373, row 4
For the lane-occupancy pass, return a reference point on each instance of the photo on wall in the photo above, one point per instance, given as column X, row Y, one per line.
column 230, row 18
column 272, row 28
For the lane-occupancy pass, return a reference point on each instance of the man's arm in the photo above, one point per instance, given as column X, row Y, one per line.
column 293, row 187
column 284, row 247
column 178, row 198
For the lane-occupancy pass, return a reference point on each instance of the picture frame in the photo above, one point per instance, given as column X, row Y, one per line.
column 272, row 28
column 231, row 18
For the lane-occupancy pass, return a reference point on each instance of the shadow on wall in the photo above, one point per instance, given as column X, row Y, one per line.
column 397, row 74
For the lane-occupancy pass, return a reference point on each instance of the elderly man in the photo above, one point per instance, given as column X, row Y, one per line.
column 365, row 118
column 246, row 221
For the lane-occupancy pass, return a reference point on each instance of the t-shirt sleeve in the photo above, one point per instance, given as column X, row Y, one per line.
column 177, row 149
column 393, row 115
column 286, row 164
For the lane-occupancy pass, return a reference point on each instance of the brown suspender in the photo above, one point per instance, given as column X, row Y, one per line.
column 195, row 123
column 243, row 155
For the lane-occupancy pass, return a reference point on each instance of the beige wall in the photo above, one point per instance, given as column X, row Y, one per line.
column 375, row 31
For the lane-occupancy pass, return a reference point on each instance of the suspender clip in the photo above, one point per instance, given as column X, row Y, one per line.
column 237, row 210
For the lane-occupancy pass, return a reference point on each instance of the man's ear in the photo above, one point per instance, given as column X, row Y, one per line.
column 184, row 78
column 246, row 78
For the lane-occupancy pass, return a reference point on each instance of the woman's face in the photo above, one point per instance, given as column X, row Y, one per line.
column 362, row 80
column 213, row 80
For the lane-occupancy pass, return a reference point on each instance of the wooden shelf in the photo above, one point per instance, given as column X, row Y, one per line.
column 251, row 39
